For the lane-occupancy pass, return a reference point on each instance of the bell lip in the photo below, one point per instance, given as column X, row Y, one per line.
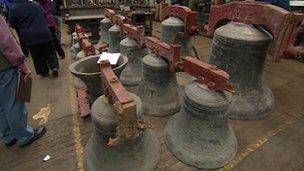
column 233, row 144
column 74, row 64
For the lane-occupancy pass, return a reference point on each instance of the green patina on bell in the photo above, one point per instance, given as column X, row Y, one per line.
column 139, row 154
column 199, row 135
column 158, row 89
column 241, row 50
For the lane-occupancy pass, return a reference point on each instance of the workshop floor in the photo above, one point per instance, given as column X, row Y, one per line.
column 274, row 143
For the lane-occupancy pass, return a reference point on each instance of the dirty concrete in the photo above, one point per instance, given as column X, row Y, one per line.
column 273, row 143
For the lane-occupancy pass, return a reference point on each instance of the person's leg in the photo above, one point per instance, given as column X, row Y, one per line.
column 51, row 55
column 57, row 43
column 5, row 132
column 24, row 48
column 14, row 109
column 58, row 31
column 39, row 60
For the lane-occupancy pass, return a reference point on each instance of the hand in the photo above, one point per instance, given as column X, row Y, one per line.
column 27, row 76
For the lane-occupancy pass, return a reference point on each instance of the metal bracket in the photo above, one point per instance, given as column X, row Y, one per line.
column 206, row 74
column 109, row 13
column 137, row 33
column 88, row 47
column 171, row 53
column 129, row 125
column 80, row 33
column 119, row 19
column 284, row 25
column 209, row 75
column 185, row 14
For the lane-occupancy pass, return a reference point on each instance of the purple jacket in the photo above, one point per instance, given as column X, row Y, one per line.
column 10, row 49
column 48, row 12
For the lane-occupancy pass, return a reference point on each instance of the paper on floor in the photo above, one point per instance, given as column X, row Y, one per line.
column 112, row 57
column 46, row 158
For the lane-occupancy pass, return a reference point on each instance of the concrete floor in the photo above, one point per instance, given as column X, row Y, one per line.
column 273, row 143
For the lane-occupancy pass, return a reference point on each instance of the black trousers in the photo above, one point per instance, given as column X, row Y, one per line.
column 23, row 46
column 56, row 42
column 44, row 57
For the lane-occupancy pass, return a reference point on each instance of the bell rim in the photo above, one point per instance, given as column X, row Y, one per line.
column 73, row 70
column 172, row 126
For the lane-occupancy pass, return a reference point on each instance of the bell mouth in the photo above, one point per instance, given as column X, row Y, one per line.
column 88, row 66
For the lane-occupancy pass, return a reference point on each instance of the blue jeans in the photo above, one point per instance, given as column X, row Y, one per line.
column 13, row 113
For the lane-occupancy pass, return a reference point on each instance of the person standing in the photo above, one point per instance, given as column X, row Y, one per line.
column 56, row 4
column 34, row 33
column 7, row 4
column 13, row 114
column 52, row 26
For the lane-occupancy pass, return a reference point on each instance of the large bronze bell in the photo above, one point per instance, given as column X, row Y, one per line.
column 170, row 29
column 158, row 89
column 114, row 38
column 132, row 74
column 199, row 135
column 88, row 71
column 105, row 25
column 241, row 50
column 140, row 154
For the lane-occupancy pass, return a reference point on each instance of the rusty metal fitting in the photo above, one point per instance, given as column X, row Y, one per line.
column 102, row 47
column 135, row 32
column 109, row 13
column 119, row 19
column 129, row 126
column 171, row 53
column 81, row 36
column 284, row 26
column 209, row 75
column 88, row 47
column 78, row 29
column 185, row 14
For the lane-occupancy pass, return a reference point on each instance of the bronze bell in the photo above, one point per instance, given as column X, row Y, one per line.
column 199, row 135
column 158, row 89
column 114, row 38
column 241, row 50
column 132, row 74
column 139, row 154
column 88, row 71
column 170, row 29
column 105, row 25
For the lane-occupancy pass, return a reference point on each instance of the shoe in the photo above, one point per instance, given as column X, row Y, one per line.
column 45, row 75
column 38, row 133
column 55, row 72
column 11, row 143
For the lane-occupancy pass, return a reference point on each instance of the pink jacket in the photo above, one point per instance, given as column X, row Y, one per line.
column 10, row 49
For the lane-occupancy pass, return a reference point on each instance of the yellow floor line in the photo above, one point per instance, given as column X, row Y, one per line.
column 76, row 127
column 256, row 145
